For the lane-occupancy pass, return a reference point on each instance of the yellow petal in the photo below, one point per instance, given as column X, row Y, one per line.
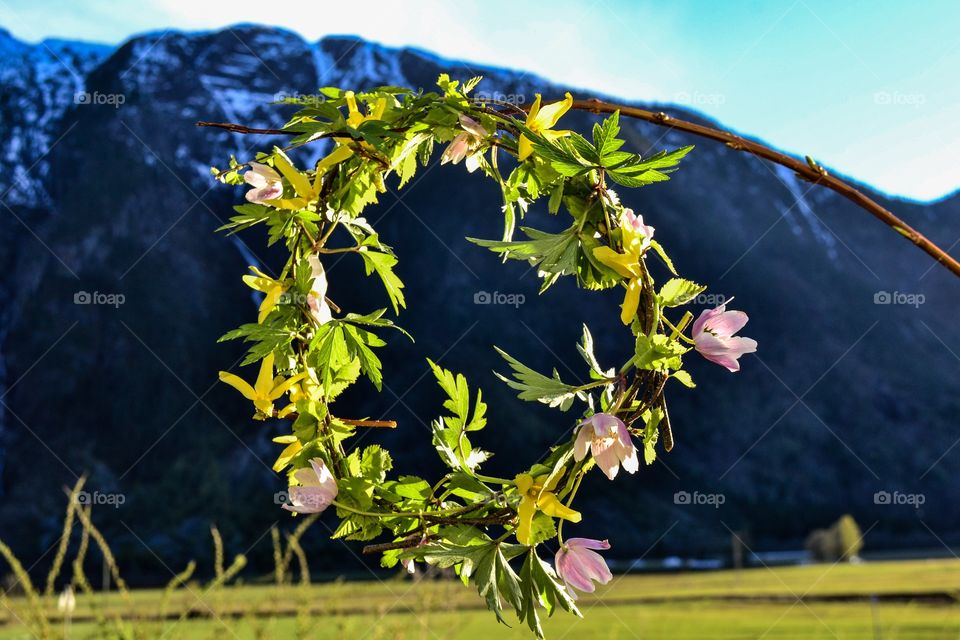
column 280, row 389
column 524, row 148
column 269, row 302
column 286, row 455
column 534, row 110
column 265, row 378
column 525, row 512
column 239, row 384
column 548, row 116
column 524, row 482
column 555, row 135
column 355, row 117
column 335, row 157
column 622, row 263
column 264, row 406
column 287, row 410
column 378, row 109
column 289, row 204
column 299, row 181
column 630, row 302
column 551, row 505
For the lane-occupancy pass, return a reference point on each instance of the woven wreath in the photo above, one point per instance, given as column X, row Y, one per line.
column 489, row 529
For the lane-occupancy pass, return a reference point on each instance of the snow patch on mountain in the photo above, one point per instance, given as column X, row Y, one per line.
column 800, row 212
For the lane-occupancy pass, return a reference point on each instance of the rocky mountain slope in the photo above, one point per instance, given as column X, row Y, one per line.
column 111, row 194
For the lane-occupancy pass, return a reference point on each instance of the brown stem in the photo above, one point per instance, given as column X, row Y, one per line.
column 384, row 424
column 406, row 543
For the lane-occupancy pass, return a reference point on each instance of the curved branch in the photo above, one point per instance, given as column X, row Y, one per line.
column 809, row 170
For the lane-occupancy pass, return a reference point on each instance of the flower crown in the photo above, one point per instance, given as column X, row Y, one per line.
column 488, row 529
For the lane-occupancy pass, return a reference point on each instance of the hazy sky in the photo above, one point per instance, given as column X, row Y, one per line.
column 869, row 88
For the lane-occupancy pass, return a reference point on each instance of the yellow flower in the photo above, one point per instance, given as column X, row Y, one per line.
column 539, row 497
column 541, row 121
column 355, row 118
column 272, row 290
column 636, row 238
column 266, row 389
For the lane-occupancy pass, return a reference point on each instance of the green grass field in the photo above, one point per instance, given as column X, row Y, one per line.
column 819, row 601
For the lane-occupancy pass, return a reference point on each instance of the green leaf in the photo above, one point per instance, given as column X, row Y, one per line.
column 358, row 343
column 606, row 142
column 450, row 432
column 542, row 588
column 683, row 378
column 658, row 353
column 532, row 385
column 554, row 254
column 375, row 462
column 383, row 264
column 677, row 291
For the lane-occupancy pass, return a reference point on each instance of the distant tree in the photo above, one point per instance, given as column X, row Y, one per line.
column 841, row 542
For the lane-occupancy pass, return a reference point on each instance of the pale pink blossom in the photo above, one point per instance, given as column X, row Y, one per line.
column 317, row 489
column 465, row 144
column 265, row 182
column 713, row 336
column 579, row 565
column 609, row 440
column 317, row 298
column 635, row 233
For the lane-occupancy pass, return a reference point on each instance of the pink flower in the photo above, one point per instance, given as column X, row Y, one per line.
column 579, row 567
column 316, row 491
column 265, row 182
column 465, row 143
column 713, row 337
column 635, row 233
column 317, row 298
column 608, row 439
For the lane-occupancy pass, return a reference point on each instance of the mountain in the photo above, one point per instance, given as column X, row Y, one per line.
column 110, row 194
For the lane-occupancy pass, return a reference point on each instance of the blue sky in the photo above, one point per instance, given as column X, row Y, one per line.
column 869, row 88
